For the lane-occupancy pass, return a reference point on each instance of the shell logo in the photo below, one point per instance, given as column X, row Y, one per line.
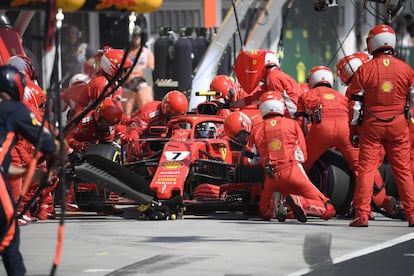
column 329, row 96
column 172, row 165
column 387, row 86
column 275, row 144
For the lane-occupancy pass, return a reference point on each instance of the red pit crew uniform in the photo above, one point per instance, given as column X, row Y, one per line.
column 87, row 132
column 141, row 120
column 383, row 84
column 330, row 131
column 280, row 142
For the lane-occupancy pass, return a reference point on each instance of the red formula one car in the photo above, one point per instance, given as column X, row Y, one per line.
column 196, row 169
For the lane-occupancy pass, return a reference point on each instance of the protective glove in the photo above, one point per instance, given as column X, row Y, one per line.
column 354, row 136
column 80, row 146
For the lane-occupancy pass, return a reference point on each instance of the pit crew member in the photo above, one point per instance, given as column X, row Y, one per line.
column 278, row 144
column 15, row 118
column 378, row 95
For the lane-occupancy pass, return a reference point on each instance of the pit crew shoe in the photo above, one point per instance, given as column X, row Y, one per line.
column 297, row 207
column 360, row 220
column 72, row 207
column 28, row 217
column 411, row 220
column 21, row 222
column 330, row 211
column 46, row 211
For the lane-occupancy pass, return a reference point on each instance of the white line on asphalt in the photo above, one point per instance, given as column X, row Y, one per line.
column 362, row 252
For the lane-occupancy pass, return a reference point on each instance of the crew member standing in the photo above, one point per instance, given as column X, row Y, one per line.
column 378, row 95
column 328, row 109
column 15, row 118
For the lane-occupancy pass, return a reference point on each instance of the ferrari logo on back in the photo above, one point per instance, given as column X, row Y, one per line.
column 386, row 62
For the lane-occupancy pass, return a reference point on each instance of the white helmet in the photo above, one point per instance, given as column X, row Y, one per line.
column 24, row 65
column 381, row 37
column 271, row 59
column 79, row 79
column 348, row 65
column 112, row 60
column 320, row 75
column 271, row 102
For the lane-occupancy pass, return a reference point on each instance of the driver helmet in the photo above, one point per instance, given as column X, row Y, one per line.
column 206, row 130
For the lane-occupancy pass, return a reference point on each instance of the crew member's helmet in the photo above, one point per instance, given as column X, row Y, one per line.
column 271, row 59
column 271, row 102
column 24, row 65
column 225, row 85
column 111, row 62
column 206, row 130
column 35, row 97
column 237, row 127
column 381, row 37
column 348, row 65
column 109, row 112
column 12, row 81
column 174, row 103
column 79, row 78
column 320, row 75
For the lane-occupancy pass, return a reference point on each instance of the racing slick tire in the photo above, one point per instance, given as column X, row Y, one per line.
column 389, row 180
column 331, row 175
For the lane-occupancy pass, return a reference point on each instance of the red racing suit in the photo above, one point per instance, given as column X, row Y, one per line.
column 80, row 96
column 87, row 132
column 279, row 142
column 381, row 86
column 139, row 125
column 330, row 131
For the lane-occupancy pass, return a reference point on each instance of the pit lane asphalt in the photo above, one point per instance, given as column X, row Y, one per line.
column 222, row 244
